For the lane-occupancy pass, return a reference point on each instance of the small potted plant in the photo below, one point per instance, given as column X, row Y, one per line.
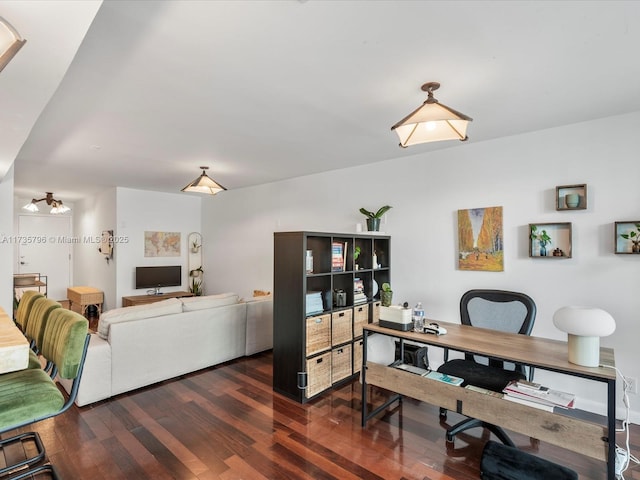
column 196, row 287
column 356, row 254
column 373, row 219
column 634, row 238
column 386, row 295
column 542, row 237
column 196, row 272
column 195, row 246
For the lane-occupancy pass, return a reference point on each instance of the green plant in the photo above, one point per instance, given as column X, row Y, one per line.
column 196, row 287
column 541, row 237
column 196, row 272
column 381, row 211
column 633, row 236
column 386, row 287
column 356, row 253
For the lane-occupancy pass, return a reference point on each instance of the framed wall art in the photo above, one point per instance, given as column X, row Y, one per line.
column 480, row 239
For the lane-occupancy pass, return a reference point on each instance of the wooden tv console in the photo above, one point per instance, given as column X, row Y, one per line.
column 145, row 299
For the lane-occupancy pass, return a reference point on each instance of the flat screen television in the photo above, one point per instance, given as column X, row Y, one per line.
column 159, row 276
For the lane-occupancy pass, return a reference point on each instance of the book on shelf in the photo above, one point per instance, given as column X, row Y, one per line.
column 484, row 391
column 529, row 403
column 534, row 392
column 313, row 303
column 407, row 367
column 443, row 377
column 337, row 257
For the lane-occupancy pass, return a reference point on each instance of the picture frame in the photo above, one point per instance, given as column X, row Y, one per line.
column 627, row 237
column 571, row 197
column 550, row 240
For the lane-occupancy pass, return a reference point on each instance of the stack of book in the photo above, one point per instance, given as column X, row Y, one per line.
column 338, row 256
column 358, row 291
column 538, row 396
column 314, row 303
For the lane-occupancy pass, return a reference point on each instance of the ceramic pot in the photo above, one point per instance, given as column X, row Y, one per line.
column 373, row 224
column 572, row 200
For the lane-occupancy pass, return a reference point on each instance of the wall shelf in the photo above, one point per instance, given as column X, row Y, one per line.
column 550, row 240
column 568, row 195
column 631, row 244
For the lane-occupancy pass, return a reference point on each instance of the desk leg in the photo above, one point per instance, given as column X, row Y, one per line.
column 363, row 378
column 611, row 429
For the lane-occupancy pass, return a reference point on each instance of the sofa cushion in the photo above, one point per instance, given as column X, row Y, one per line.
column 128, row 314
column 191, row 304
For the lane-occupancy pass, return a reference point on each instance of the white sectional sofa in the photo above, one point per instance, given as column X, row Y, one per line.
column 142, row 345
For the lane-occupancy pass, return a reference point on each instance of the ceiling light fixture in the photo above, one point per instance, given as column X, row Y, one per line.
column 57, row 206
column 10, row 42
column 432, row 122
column 204, row 184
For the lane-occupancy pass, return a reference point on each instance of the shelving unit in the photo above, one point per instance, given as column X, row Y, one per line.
column 558, row 247
column 314, row 350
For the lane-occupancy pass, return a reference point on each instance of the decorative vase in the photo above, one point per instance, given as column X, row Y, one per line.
column 635, row 247
column 373, row 224
column 543, row 249
column 386, row 298
column 572, row 200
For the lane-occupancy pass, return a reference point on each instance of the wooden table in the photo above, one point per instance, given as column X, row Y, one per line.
column 561, row 427
column 146, row 299
column 14, row 347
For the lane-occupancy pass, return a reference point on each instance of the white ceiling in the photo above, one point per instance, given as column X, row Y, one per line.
column 265, row 90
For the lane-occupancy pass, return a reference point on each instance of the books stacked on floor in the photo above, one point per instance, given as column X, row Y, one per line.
column 358, row 291
column 536, row 395
column 314, row 303
column 432, row 374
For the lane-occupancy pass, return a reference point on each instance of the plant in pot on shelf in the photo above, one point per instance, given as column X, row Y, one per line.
column 386, row 295
column 196, row 287
column 542, row 237
column 195, row 246
column 373, row 219
column 356, row 255
column 634, row 238
column 196, row 272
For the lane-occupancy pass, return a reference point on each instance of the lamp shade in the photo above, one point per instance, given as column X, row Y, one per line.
column 585, row 326
column 10, row 42
column 432, row 122
column 204, row 184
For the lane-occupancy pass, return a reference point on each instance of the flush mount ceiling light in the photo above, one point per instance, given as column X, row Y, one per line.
column 10, row 42
column 204, row 184
column 56, row 205
column 432, row 122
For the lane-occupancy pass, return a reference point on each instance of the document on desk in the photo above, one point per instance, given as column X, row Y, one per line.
column 540, row 394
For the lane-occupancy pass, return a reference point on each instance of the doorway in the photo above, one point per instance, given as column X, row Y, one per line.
column 46, row 249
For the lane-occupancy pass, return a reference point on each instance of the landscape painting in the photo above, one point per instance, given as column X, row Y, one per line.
column 480, row 239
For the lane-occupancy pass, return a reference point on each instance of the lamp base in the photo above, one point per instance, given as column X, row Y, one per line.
column 584, row 351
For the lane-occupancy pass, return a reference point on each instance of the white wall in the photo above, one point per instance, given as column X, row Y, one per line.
column 6, row 245
column 519, row 173
column 139, row 211
column 91, row 217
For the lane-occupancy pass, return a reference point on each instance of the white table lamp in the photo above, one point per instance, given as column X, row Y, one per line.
column 585, row 326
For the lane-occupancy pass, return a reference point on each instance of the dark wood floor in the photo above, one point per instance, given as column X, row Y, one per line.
column 226, row 423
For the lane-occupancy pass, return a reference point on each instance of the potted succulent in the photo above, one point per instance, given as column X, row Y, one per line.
column 386, row 295
column 195, row 246
column 373, row 219
column 356, row 254
column 634, row 238
column 196, row 272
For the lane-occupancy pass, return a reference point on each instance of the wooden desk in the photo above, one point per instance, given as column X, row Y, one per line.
column 146, row 299
column 595, row 440
column 14, row 347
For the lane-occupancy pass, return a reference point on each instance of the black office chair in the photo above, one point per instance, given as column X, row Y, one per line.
column 497, row 310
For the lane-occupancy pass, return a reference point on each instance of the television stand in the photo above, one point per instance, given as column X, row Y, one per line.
column 134, row 300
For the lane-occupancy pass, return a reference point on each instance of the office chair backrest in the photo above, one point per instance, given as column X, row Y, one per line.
column 24, row 307
column 512, row 312
column 38, row 318
column 501, row 310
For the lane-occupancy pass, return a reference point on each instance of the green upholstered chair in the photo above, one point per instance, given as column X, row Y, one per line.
column 31, row 395
column 38, row 316
column 24, row 307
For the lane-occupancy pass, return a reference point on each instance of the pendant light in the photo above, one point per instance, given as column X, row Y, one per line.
column 204, row 184
column 10, row 42
column 432, row 122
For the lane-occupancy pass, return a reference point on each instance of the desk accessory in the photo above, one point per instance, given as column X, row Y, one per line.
column 435, row 329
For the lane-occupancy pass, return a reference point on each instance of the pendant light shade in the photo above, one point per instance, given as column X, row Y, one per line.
column 432, row 122
column 204, row 184
column 10, row 42
column 57, row 206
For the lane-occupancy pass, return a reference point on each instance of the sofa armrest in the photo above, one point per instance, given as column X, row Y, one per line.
column 259, row 326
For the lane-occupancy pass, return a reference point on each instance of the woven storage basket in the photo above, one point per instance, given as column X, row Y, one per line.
column 341, row 364
column 318, row 334
column 318, row 374
column 360, row 318
column 357, row 356
column 341, row 326
column 376, row 311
